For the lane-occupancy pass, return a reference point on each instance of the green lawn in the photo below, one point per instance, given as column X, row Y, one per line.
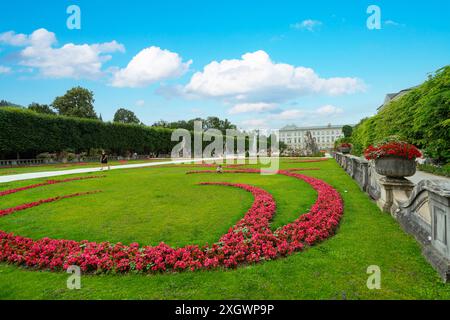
column 4, row 171
column 150, row 205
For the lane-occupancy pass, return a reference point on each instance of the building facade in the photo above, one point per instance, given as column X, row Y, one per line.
column 325, row 136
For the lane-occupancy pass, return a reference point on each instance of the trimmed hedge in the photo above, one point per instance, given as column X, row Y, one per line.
column 421, row 117
column 26, row 132
column 29, row 133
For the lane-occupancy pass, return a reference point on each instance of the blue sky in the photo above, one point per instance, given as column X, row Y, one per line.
column 308, row 62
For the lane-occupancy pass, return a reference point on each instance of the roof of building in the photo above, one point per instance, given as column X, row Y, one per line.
column 393, row 96
column 294, row 127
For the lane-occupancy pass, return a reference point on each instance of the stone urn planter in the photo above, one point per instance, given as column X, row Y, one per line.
column 345, row 150
column 395, row 167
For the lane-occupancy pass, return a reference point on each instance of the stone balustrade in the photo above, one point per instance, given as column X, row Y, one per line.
column 20, row 162
column 33, row 162
column 422, row 210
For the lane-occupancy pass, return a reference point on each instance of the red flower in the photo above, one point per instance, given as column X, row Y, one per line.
column 249, row 241
column 393, row 148
column 46, row 183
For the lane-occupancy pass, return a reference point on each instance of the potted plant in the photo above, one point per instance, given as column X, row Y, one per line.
column 394, row 159
column 345, row 147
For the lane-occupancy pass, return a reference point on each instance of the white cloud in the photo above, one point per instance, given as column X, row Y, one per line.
column 254, row 123
column 149, row 66
column 256, row 78
column 309, row 25
column 4, row 69
column 392, row 23
column 140, row 103
column 109, row 47
column 68, row 61
column 252, row 107
column 13, row 39
column 291, row 114
column 329, row 110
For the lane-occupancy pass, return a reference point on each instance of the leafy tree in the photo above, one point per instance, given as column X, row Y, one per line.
column 420, row 117
column 208, row 123
column 347, row 130
column 4, row 103
column 161, row 124
column 27, row 132
column 283, row 147
column 41, row 108
column 126, row 116
column 77, row 102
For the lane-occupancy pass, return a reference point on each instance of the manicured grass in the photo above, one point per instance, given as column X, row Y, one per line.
column 4, row 171
column 154, row 204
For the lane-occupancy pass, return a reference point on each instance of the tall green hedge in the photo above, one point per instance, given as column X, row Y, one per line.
column 421, row 117
column 23, row 131
column 29, row 134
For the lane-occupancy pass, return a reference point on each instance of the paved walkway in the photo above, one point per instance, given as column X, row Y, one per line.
column 421, row 175
column 35, row 175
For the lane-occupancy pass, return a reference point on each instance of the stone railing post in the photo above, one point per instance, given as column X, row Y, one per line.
column 439, row 202
column 361, row 174
column 426, row 216
column 392, row 193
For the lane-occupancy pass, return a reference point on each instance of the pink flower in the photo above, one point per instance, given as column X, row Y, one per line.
column 249, row 241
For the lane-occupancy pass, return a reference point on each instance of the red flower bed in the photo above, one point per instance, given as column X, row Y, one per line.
column 308, row 160
column 302, row 169
column 7, row 173
column 250, row 240
column 46, row 183
column 243, row 170
column 38, row 203
column 74, row 164
column 393, row 148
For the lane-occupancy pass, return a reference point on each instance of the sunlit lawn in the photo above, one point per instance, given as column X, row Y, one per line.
column 151, row 205
column 61, row 167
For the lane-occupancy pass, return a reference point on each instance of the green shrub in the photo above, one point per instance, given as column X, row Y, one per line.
column 26, row 132
column 437, row 170
column 23, row 131
column 421, row 117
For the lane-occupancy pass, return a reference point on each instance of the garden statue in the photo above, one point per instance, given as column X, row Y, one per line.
column 311, row 147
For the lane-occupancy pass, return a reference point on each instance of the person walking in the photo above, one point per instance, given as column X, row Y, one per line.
column 104, row 161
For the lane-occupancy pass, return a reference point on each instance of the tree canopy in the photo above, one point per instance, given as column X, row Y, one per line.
column 126, row 116
column 41, row 108
column 208, row 123
column 420, row 117
column 77, row 102
column 347, row 130
column 4, row 103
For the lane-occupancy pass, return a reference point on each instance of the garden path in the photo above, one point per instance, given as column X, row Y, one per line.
column 35, row 175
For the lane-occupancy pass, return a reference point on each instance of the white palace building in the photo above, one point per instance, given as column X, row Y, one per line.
column 325, row 136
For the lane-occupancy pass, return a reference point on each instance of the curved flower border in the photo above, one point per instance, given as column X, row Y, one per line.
column 21, row 207
column 46, row 183
column 308, row 160
column 250, row 240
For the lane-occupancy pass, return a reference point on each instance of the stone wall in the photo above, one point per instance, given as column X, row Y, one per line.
column 422, row 210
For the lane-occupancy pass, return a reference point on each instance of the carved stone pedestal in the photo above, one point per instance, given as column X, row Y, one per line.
column 394, row 191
